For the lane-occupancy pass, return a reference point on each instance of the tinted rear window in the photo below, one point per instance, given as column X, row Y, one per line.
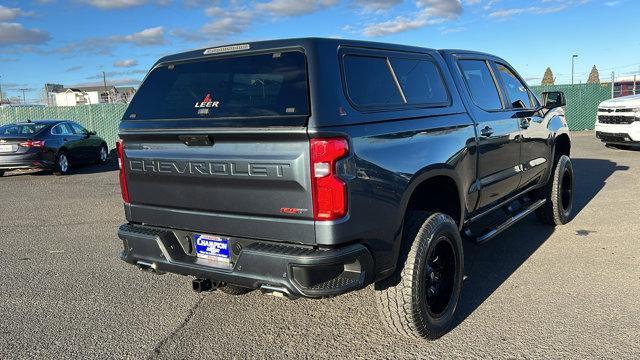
column 62, row 129
column 420, row 81
column 369, row 81
column 481, row 84
column 373, row 81
column 21, row 129
column 265, row 85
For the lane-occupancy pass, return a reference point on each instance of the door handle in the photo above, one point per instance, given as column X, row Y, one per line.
column 524, row 123
column 486, row 131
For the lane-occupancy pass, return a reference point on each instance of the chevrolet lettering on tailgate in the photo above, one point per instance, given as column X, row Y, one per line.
column 206, row 168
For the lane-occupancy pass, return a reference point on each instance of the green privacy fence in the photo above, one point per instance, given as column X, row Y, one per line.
column 101, row 118
column 582, row 102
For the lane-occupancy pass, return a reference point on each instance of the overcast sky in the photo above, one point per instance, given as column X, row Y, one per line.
column 71, row 42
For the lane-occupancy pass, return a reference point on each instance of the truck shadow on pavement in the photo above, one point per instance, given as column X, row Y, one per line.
column 488, row 266
column 111, row 165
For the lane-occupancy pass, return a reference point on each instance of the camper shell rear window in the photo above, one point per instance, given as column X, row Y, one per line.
column 270, row 84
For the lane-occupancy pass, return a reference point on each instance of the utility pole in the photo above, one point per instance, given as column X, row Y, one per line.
column 24, row 98
column 104, row 81
column 573, row 60
column 613, row 79
column 0, row 91
column 46, row 94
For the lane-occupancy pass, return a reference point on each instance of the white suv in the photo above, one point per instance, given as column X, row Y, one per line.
column 618, row 121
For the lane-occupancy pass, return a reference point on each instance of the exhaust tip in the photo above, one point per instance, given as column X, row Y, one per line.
column 276, row 291
column 146, row 266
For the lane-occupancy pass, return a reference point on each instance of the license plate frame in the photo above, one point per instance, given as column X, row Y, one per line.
column 213, row 248
column 6, row 148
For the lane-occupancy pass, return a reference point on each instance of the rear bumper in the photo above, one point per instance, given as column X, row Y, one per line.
column 31, row 160
column 293, row 270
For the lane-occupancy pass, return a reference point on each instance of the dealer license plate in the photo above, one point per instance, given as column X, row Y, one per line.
column 212, row 247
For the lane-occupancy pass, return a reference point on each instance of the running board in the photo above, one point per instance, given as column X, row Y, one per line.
column 493, row 232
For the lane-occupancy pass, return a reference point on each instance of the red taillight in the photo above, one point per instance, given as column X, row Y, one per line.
column 32, row 144
column 329, row 191
column 123, row 178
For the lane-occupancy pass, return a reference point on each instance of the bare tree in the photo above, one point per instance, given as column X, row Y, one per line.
column 548, row 78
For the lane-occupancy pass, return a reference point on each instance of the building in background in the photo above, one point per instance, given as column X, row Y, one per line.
column 626, row 85
column 58, row 95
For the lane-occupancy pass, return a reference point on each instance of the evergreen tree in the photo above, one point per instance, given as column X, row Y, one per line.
column 594, row 76
column 548, row 78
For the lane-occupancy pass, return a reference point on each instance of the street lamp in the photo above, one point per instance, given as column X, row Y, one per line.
column 573, row 60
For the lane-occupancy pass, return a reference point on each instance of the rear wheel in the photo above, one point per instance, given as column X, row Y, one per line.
column 62, row 164
column 103, row 154
column 559, row 194
column 1, row 173
column 420, row 300
column 234, row 289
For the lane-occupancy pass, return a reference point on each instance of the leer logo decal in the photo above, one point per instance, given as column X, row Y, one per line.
column 207, row 102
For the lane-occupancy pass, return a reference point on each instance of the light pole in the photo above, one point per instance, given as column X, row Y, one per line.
column 104, row 81
column 573, row 60
column 0, row 91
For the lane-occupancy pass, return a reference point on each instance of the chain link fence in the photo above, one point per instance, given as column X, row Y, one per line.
column 582, row 104
column 101, row 118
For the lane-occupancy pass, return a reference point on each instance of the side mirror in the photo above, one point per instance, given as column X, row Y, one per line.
column 519, row 104
column 90, row 133
column 553, row 99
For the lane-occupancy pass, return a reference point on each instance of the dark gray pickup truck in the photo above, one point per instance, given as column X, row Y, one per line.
column 314, row 167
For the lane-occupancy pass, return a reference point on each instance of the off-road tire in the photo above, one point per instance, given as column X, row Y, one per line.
column 557, row 209
column 402, row 298
column 234, row 289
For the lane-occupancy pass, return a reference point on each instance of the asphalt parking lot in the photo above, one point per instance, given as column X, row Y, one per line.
column 534, row 292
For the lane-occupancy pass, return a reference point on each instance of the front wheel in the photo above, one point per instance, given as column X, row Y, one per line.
column 420, row 300
column 1, row 173
column 559, row 194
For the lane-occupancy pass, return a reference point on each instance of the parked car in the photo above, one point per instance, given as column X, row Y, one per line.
column 618, row 121
column 314, row 167
column 50, row 145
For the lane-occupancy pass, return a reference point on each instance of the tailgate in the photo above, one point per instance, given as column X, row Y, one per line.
column 219, row 145
column 243, row 185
